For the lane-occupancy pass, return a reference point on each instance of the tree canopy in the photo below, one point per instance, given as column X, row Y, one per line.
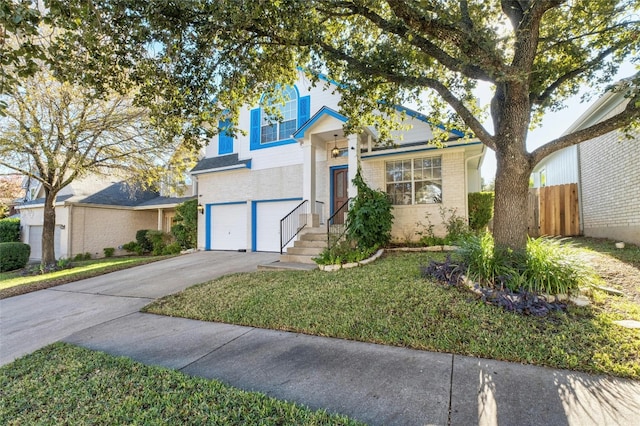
column 197, row 60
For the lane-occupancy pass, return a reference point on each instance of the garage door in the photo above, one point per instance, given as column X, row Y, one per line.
column 267, row 221
column 35, row 241
column 228, row 227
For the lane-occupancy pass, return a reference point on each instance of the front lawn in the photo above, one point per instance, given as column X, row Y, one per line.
column 13, row 283
column 388, row 302
column 64, row 384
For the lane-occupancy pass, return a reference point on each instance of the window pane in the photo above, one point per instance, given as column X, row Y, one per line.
column 428, row 192
column 287, row 128
column 268, row 133
column 400, row 193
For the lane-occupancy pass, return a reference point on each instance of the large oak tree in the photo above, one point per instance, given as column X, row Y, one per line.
column 198, row 59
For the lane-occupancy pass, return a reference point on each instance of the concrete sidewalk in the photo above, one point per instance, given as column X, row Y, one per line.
column 379, row 385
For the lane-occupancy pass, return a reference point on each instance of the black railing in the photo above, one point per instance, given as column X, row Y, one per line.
column 337, row 225
column 292, row 224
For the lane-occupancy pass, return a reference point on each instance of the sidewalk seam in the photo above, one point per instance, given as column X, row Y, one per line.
column 453, row 357
column 217, row 348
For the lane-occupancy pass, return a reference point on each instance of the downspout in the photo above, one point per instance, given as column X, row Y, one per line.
column 580, row 201
column 466, row 181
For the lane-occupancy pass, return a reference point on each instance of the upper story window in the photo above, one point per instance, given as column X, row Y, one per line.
column 277, row 119
column 280, row 126
column 414, row 181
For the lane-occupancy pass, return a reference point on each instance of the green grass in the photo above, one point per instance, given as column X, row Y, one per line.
column 388, row 302
column 64, row 384
column 11, row 283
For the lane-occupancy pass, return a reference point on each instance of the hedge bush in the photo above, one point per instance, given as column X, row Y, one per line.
column 143, row 240
column 186, row 224
column 9, row 230
column 13, row 256
column 480, row 209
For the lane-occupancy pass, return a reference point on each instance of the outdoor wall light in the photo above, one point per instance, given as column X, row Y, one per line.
column 201, row 208
column 335, row 152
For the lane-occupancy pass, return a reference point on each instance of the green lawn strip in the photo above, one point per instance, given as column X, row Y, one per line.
column 64, row 384
column 388, row 302
column 12, row 284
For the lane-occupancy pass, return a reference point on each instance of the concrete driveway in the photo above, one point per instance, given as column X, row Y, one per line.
column 31, row 321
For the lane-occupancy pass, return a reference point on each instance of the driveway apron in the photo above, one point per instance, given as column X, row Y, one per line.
column 31, row 321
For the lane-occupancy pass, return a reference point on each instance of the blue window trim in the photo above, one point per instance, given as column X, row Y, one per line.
column 331, row 185
column 254, row 217
column 207, row 221
column 304, row 107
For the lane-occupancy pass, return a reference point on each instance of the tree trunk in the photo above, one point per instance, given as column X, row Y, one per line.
column 510, row 203
column 48, row 229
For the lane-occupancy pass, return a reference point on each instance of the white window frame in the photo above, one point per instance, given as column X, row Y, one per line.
column 434, row 177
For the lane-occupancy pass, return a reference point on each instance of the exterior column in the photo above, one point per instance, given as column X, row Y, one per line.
column 353, row 153
column 160, row 214
column 309, row 174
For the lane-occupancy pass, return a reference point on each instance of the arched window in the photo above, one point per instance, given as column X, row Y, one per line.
column 273, row 130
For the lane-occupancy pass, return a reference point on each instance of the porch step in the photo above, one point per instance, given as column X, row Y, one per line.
column 296, row 258
column 321, row 244
column 307, row 251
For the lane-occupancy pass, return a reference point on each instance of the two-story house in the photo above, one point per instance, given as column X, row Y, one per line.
column 248, row 183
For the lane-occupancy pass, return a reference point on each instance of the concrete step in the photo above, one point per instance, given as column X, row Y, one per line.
column 306, row 251
column 296, row 258
column 313, row 236
column 322, row 244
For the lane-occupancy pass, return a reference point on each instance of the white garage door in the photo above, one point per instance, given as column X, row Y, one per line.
column 267, row 220
column 35, row 241
column 228, row 227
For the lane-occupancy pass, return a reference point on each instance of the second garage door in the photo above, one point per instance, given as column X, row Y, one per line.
column 267, row 223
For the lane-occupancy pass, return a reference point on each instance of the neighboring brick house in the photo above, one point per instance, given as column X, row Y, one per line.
column 606, row 170
column 94, row 213
column 247, row 184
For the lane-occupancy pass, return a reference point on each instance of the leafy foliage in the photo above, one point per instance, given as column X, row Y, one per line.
column 369, row 219
column 344, row 252
column 9, row 230
column 13, row 255
column 185, row 228
column 480, row 210
column 143, row 240
column 547, row 266
column 109, row 251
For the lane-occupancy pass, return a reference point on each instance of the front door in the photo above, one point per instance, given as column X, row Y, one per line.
column 340, row 192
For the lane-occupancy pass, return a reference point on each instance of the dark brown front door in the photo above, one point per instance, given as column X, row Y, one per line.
column 340, row 193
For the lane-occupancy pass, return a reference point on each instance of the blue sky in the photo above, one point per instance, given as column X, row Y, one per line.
column 553, row 124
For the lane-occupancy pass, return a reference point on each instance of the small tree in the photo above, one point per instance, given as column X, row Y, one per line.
column 186, row 224
column 65, row 133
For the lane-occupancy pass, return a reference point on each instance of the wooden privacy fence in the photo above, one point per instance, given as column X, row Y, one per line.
column 553, row 210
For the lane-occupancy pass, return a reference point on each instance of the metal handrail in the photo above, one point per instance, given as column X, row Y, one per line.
column 331, row 222
column 291, row 225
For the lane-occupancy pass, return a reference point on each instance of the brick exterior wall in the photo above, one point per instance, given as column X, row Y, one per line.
column 610, row 187
column 93, row 229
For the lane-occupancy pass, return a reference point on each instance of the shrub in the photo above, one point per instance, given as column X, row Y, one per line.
column 159, row 240
column 13, row 255
column 82, row 256
column 369, row 219
column 63, row 263
column 9, row 230
column 173, row 248
column 547, row 266
column 185, row 229
column 133, row 247
column 109, row 251
column 143, row 240
column 344, row 252
column 457, row 228
column 480, row 209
